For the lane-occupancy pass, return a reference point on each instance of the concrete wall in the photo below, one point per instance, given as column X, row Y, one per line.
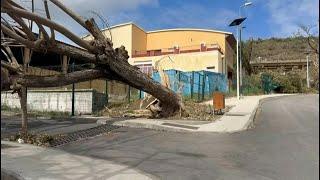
column 86, row 101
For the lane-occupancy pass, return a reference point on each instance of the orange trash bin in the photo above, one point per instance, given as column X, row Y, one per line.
column 218, row 102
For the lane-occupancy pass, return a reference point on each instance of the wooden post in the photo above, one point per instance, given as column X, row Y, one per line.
column 64, row 64
column 26, row 58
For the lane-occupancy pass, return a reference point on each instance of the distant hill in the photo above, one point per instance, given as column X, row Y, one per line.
column 274, row 49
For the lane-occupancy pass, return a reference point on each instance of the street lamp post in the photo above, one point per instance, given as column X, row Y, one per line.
column 240, row 52
column 308, row 51
column 238, row 76
column 237, row 22
column 240, row 57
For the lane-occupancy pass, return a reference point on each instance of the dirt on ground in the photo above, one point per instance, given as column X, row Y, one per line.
column 194, row 111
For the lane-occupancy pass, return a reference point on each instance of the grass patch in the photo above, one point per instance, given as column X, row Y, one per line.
column 36, row 139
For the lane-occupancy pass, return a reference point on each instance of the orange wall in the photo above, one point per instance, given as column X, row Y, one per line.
column 139, row 39
column 168, row 39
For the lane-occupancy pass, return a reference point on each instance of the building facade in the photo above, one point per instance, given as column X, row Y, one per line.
column 182, row 49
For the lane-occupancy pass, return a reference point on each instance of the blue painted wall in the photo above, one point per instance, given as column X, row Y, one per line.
column 194, row 81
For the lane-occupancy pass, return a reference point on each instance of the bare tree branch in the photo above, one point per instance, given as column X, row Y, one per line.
column 307, row 31
column 25, row 28
column 15, row 36
column 7, row 56
column 10, row 68
column 48, row 16
column 43, row 32
column 50, row 24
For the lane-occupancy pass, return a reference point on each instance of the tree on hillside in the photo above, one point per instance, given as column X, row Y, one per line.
column 312, row 39
column 109, row 63
column 313, row 44
column 246, row 55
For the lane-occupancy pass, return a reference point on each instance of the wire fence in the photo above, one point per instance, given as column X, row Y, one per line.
column 197, row 85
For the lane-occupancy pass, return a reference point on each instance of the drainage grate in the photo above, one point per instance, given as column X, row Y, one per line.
column 236, row 114
column 75, row 136
column 180, row 125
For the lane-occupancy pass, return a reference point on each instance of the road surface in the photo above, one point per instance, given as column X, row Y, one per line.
column 284, row 144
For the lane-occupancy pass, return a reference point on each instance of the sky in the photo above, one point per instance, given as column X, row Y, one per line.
column 265, row 18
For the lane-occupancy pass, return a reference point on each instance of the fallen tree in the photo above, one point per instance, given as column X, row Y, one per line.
column 108, row 62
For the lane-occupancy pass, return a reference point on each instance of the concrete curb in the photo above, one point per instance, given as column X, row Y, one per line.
column 247, row 125
column 151, row 126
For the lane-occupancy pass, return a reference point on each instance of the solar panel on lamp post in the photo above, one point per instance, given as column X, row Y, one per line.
column 237, row 22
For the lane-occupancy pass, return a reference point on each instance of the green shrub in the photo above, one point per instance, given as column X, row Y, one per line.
column 290, row 82
column 251, row 85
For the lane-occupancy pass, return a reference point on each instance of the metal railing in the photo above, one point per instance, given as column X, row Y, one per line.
column 278, row 61
column 177, row 50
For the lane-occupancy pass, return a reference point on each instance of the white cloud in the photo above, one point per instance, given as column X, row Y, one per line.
column 107, row 8
column 287, row 15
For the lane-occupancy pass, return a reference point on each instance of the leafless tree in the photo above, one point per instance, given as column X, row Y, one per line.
column 110, row 63
column 311, row 37
column 313, row 44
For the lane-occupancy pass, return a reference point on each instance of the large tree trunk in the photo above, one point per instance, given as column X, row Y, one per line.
column 111, row 63
column 23, row 103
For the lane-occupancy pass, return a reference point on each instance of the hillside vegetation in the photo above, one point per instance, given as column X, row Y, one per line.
column 273, row 49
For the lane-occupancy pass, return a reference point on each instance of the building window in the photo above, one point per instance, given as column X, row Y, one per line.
column 145, row 68
column 211, row 67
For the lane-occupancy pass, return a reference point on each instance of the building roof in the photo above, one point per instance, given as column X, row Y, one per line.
column 164, row 30
column 189, row 29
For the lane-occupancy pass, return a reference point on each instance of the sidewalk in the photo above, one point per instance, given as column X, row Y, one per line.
column 34, row 163
column 239, row 118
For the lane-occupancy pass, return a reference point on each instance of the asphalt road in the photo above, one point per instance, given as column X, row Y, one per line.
column 284, row 144
column 11, row 125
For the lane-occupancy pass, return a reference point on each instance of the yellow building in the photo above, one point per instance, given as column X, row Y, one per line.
column 183, row 49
